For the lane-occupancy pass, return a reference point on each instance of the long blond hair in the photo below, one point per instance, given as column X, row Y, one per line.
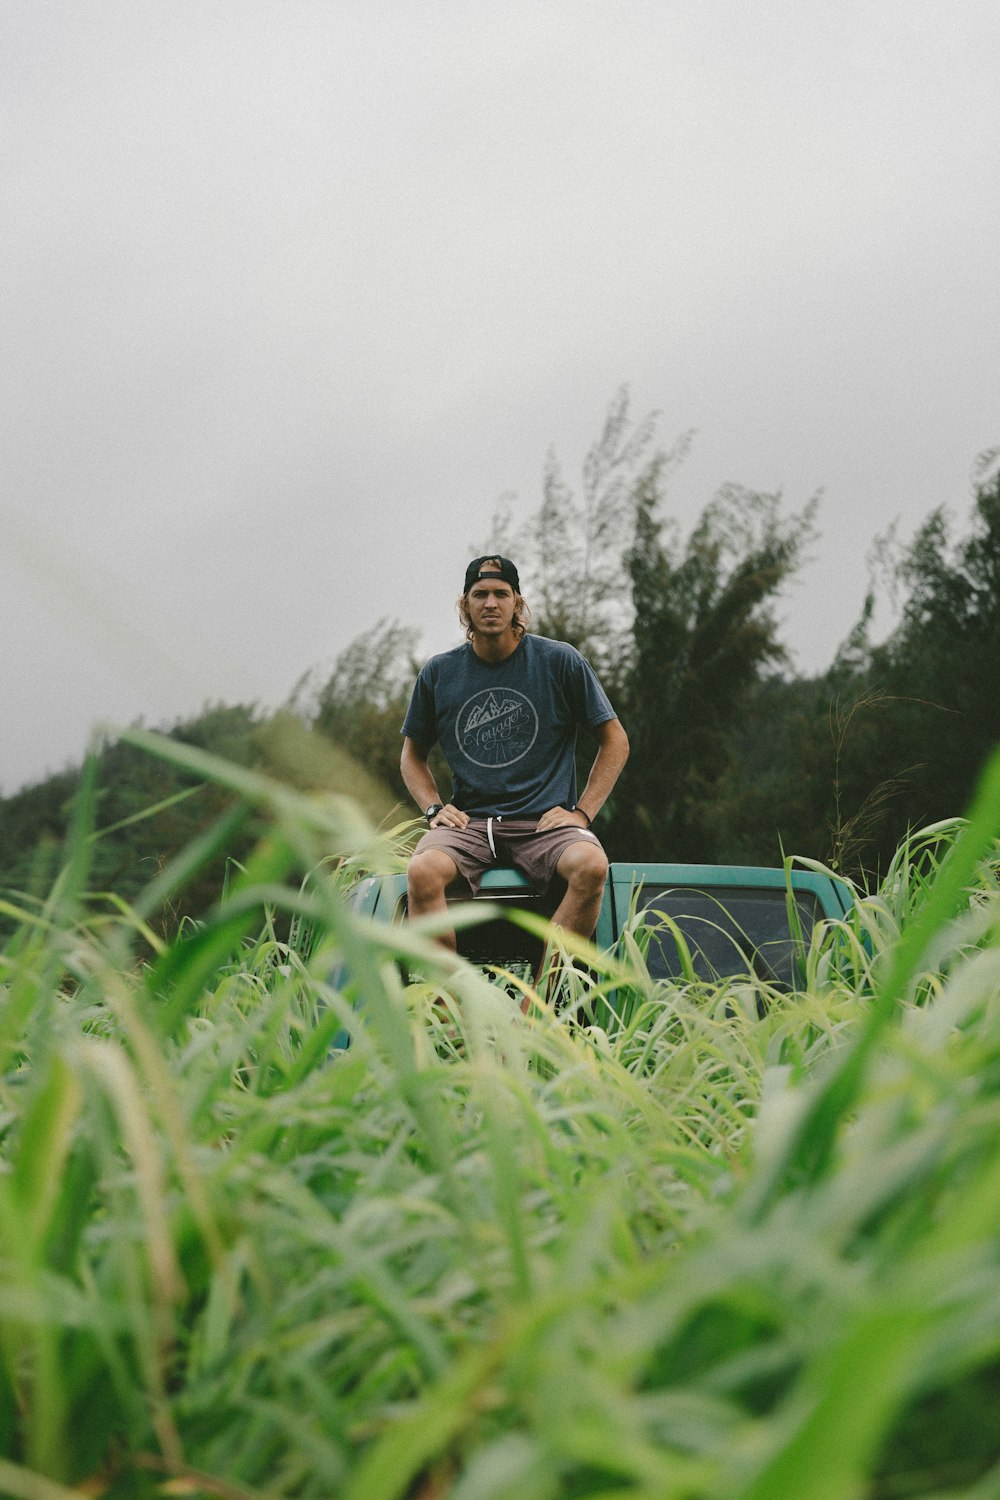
column 522, row 614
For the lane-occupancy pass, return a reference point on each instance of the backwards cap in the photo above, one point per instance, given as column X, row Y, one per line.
column 486, row 567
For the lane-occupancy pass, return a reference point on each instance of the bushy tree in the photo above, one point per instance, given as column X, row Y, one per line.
column 33, row 824
column 893, row 736
column 937, row 676
column 679, row 632
column 794, row 784
column 703, row 634
column 147, row 811
column 360, row 703
column 571, row 551
column 774, row 792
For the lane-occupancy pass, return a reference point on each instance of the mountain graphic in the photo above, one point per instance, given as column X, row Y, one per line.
column 493, row 708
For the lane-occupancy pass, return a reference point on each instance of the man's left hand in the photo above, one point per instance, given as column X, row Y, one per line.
column 561, row 817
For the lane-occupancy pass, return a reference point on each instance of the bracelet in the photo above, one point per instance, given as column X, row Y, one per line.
column 577, row 808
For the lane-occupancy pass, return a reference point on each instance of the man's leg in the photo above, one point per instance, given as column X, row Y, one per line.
column 584, row 867
column 428, row 876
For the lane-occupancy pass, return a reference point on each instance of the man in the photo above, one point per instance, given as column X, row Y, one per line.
column 506, row 707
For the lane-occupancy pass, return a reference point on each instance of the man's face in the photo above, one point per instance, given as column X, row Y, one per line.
column 491, row 606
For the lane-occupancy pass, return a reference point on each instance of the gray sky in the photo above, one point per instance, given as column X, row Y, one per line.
column 293, row 292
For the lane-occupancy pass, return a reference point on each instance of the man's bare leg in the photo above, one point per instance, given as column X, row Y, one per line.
column 584, row 867
column 428, row 876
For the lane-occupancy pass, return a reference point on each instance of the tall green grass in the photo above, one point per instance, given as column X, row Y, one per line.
column 742, row 1244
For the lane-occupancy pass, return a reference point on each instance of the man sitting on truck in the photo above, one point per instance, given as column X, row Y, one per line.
column 506, row 707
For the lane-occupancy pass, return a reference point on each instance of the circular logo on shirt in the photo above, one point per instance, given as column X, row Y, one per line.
column 496, row 727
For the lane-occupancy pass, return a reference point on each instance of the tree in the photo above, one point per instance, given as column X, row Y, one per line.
column 359, row 707
column 571, row 552
column 703, row 635
column 147, row 811
column 938, row 672
column 679, row 633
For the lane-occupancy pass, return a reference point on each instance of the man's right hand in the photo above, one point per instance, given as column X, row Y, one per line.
column 450, row 816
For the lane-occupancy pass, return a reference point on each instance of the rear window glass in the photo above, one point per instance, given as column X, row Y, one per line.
column 739, row 930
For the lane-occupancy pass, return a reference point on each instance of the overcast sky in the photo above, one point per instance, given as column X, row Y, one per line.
column 294, row 291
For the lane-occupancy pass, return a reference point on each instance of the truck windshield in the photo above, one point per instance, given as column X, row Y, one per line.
column 738, row 930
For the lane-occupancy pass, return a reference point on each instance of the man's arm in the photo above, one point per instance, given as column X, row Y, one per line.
column 612, row 753
column 422, row 787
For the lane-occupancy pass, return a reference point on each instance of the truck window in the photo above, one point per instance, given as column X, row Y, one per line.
column 736, row 930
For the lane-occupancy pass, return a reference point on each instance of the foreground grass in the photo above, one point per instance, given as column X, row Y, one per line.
column 710, row 1252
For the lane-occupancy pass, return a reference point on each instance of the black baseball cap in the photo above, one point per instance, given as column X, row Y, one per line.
column 486, row 567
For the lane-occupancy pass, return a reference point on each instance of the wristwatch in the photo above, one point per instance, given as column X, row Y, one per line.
column 433, row 810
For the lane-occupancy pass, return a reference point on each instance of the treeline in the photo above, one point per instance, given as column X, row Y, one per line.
column 149, row 810
column 734, row 758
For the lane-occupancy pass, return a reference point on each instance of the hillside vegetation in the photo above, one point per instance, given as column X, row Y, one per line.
column 741, row 1247
column 734, row 758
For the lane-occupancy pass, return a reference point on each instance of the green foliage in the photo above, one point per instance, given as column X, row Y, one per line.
column 572, row 550
column 736, row 1244
column 733, row 759
column 940, row 668
column 893, row 735
column 681, row 632
column 703, row 634
column 146, row 811
column 359, row 704
column 149, row 810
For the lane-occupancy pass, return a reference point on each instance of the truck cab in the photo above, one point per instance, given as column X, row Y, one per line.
column 733, row 919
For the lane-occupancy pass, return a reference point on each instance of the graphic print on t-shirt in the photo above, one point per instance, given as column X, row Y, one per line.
column 496, row 727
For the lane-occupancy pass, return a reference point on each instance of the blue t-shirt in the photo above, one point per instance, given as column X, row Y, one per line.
column 508, row 729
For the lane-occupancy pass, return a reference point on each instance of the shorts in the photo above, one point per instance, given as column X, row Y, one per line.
column 505, row 841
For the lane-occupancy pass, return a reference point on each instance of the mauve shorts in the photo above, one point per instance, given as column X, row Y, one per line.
column 515, row 841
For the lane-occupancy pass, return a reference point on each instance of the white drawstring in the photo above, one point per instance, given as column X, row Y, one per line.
column 489, row 833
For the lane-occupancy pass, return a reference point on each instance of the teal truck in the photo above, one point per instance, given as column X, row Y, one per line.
column 734, row 919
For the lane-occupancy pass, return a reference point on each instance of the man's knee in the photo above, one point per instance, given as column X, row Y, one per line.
column 428, row 876
column 584, row 867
